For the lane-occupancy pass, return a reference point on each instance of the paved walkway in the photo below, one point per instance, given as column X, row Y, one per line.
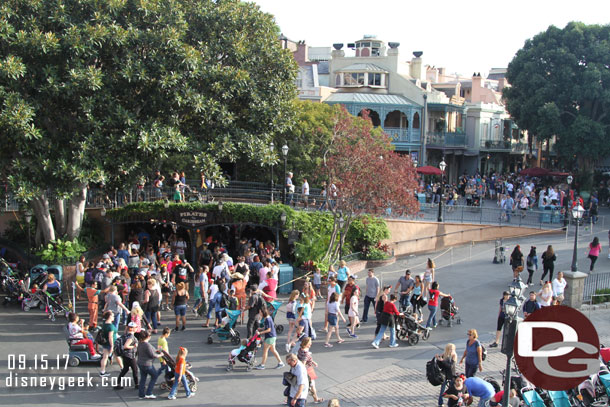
column 354, row 372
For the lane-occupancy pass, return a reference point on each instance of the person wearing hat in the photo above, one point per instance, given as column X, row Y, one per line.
column 128, row 353
column 239, row 285
column 501, row 318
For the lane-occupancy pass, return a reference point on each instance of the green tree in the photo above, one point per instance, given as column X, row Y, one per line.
column 561, row 87
column 309, row 135
column 97, row 91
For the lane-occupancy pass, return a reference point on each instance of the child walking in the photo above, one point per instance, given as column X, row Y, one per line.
column 180, row 375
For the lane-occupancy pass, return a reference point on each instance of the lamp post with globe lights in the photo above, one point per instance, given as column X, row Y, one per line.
column 577, row 213
column 511, row 309
column 442, row 165
column 285, row 154
column 28, row 219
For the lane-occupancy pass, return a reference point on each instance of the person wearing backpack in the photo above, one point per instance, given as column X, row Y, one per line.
column 446, row 363
column 106, row 338
column 255, row 303
column 125, row 347
column 532, row 264
column 473, row 354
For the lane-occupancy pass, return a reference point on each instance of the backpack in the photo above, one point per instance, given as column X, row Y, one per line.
column 119, row 345
column 530, row 262
column 231, row 303
column 89, row 277
column 483, row 352
column 494, row 384
column 224, row 300
column 434, row 374
column 101, row 339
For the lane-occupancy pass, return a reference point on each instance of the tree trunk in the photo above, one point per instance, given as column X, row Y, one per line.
column 43, row 216
column 60, row 217
column 76, row 211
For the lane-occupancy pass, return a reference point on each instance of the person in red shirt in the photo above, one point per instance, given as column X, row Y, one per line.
column 433, row 303
column 387, row 321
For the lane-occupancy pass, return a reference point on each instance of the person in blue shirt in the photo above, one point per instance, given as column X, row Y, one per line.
column 530, row 305
column 478, row 387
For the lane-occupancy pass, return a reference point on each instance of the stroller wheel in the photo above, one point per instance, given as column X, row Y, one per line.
column 235, row 340
column 413, row 339
column 425, row 334
column 230, row 367
column 401, row 334
column 210, row 340
column 26, row 308
column 193, row 387
column 279, row 329
column 458, row 321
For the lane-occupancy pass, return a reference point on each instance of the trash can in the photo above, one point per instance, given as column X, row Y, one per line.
column 545, row 216
column 286, row 276
column 421, row 198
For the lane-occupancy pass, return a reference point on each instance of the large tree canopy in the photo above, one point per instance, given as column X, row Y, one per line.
column 561, row 86
column 106, row 90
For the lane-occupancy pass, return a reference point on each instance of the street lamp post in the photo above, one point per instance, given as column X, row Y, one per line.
column 285, row 154
column 577, row 213
column 442, row 165
column 341, row 223
column 28, row 219
column 272, row 148
column 510, row 308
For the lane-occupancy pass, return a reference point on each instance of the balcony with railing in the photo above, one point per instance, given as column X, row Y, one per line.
column 403, row 135
column 495, row 145
column 446, row 139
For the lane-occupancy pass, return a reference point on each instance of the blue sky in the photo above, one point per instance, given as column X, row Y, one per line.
column 462, row 36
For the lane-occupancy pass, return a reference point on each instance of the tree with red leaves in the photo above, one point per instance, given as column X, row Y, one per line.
column 364, row 175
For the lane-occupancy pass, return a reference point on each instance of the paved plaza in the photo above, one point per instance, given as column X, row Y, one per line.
column 354, row 372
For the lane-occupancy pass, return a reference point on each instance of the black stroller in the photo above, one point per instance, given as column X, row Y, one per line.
column 247, row 355
column 449, row 311
column 170, row 366
column 408, row 328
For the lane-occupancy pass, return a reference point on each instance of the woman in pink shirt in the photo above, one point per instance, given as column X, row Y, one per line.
column 594, row 248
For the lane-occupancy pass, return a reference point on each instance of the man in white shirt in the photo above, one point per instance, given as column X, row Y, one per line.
column 298, row 391
column 305, row 192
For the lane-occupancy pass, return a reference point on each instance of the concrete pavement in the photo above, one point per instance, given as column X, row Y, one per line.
column 354, row 372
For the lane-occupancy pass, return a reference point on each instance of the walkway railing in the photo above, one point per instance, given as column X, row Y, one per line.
column 593, row 282
column 259, row 193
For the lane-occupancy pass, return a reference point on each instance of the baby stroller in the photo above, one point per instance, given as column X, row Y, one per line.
column 449, row 311
column 476, row 200
column 170, row 366
column 33, row 300
column 54, row 305
column 409, row 329
column 247, row 355
column 13, row 290
column 273, row 307
column 227, row 332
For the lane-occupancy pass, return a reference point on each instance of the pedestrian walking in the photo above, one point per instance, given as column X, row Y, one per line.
column 501, row 319
column 270, row 339
column 387, row 321
column 151, row 303
column 545, row 296
column 532, row 264
column 372, row 292
column 128, row 352
column 333, row 287
column 446, row 362
column 179, row 300
column 548, row 263
column 180, row 375
column 108, row 336
column 353, row 313
column 473, row 354
column 342, row 274
column 291, row 317
column 516, row 261
column 405, row 283
column 595, row 248
column 530, row 305
column 255, row 304
column 305, row 356
column 333, row 311
column 297, row 395
column 417, row 299
column 146, row 356
column 434, row 295
column 429, row 275
column 384, row 296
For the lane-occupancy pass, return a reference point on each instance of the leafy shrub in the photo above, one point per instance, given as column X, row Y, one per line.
column 367, row 231
column 377, row 252
column 61, row 251
column 603, row 298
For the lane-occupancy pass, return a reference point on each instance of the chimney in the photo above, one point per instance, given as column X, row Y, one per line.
column 301, row 54
column 476, row 93
column 415, row 68
column 502, row 83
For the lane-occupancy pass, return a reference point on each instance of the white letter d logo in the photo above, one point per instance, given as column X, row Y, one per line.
column 526, row 330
